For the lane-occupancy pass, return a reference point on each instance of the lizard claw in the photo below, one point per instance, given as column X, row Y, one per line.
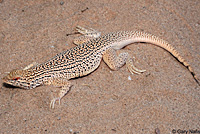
column 132, row 68
column 53, row 101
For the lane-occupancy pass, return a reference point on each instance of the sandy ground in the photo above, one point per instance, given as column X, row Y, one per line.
column 165, row 97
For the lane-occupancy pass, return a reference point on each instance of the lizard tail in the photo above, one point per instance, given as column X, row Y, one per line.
column 149, row 38
column 165, row 45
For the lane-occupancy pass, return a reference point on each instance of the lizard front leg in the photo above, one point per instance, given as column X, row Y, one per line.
column 87, row 35
column 65, row 86
column 30, row 65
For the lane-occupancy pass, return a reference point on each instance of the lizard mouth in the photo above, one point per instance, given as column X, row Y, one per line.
column 9, row 79
column 10, row 83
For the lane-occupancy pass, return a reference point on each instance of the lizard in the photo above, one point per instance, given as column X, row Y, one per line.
column 81, row 60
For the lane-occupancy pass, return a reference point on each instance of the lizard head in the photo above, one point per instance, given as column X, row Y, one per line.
column 16, row 78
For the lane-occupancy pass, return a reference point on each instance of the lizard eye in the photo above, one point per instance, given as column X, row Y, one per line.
column 16, row 78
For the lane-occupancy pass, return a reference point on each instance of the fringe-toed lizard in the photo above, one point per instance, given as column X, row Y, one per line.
column 85, row 58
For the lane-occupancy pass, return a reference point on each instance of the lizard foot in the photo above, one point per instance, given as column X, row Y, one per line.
column 87, row 35
column 132, row 68
column 53, row 101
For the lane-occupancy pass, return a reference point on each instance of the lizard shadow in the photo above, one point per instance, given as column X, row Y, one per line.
column 9, row 86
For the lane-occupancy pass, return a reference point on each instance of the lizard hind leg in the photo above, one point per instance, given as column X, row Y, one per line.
column 87, row 35
column 115, row 62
